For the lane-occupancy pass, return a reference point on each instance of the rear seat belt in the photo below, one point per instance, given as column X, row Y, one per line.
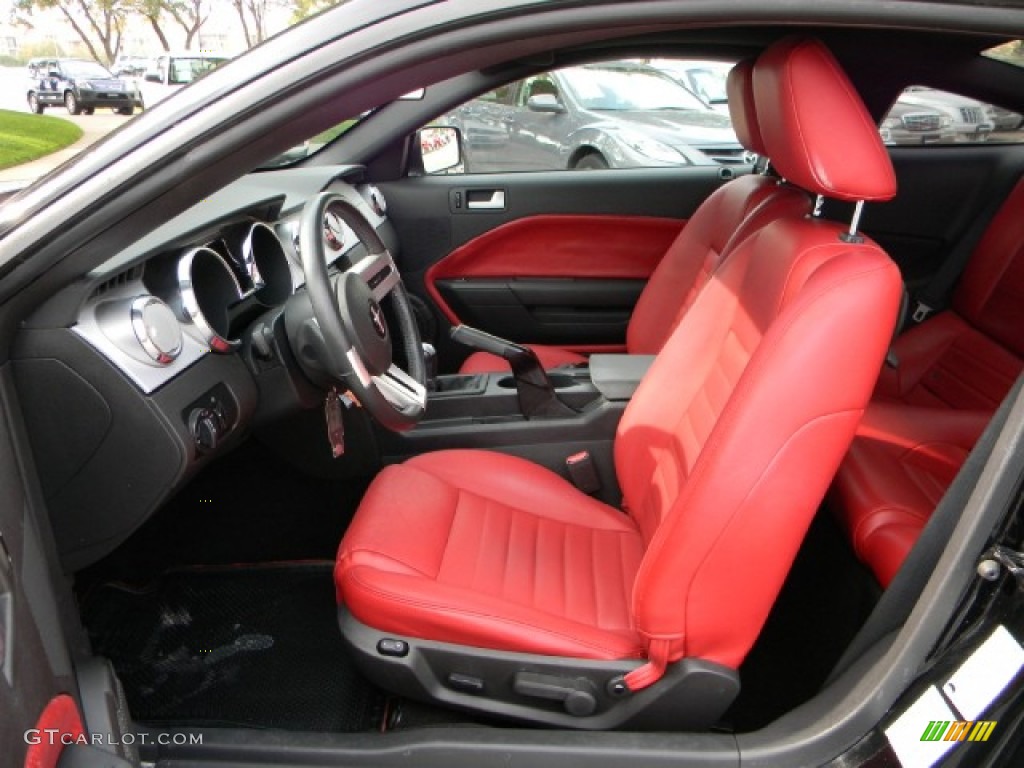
column 935, row 294
column 896, row 603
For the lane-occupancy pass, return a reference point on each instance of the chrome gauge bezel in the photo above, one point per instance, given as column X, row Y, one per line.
column 268, row 266
column 375, row 198
column 108, row 324
column 138, row 319
column 192, row 312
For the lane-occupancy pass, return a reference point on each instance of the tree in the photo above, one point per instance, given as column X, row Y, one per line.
column 99, row 23
column 152, row 11
column 190, row 15
column 253, row 15
column 303, row 9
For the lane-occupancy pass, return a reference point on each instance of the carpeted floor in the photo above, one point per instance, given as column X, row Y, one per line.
column 254, row 646
column 824, row 601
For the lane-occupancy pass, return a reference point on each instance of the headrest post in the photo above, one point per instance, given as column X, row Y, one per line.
column 858, row 209
column 852, row 236
column 819, row 201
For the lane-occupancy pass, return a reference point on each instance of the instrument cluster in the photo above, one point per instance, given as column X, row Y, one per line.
column 158, row 317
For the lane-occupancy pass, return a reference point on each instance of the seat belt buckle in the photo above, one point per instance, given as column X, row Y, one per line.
column 921, row 312
column 583, row 473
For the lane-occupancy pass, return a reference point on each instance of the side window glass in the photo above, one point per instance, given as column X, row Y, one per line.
column 616, row 115
column 927, row 116
column 541, row 85
column 498, row 95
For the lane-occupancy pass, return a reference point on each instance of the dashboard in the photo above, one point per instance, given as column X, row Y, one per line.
column 159, row 307
column 163, row 351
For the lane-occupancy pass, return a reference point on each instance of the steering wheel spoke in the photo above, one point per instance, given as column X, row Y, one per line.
column 379, row 272
column 400, row 389
column 345, row 326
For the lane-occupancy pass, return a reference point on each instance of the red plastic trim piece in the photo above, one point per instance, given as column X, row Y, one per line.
column 59, row 724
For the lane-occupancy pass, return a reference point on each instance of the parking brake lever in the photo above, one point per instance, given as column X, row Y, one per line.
column 537, row 397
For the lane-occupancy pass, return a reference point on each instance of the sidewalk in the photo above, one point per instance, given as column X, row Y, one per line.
column 31, row 171
column 94, row 127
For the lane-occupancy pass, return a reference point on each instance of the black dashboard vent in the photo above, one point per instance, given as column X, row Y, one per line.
column 121, row 278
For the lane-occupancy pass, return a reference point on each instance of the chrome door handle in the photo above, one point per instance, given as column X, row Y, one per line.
column 476, row 200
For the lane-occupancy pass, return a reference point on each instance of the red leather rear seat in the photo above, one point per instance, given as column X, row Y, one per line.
column 897, row 469
column 969, row 356
column 927, row 413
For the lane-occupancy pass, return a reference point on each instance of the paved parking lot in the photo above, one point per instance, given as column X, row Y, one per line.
column 13, row 89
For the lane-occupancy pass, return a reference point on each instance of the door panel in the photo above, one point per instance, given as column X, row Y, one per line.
column 35, row 665
column 567, row 226
column 553, row 279
column 574, row 313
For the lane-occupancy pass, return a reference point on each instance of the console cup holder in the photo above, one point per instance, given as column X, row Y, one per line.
column 558, row 381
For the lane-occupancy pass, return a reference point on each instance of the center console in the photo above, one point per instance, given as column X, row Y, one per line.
column 547, row 417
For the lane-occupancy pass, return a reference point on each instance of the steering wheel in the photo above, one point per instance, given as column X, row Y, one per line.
column 347, row 307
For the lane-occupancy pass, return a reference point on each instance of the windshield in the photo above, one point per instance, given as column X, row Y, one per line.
column 307, row 148
column 628, row 90
column 709, row 84
column 185, row 70
column 85, row 69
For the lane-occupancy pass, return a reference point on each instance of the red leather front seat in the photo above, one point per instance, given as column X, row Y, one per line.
column 723, row 454
column 953, row 371
column 723, row 220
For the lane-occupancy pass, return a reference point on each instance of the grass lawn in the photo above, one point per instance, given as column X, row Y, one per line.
column 25, row 137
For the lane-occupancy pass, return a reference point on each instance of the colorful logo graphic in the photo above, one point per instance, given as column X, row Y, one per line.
column 958, row 730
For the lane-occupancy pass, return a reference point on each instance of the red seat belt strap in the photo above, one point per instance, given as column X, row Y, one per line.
column 651, row 672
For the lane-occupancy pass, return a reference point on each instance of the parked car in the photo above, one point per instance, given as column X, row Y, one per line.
column 130, row 66
column 610, row 115
column 906, row 123
column 80, row 86
column 706, row 79
column 167, row 73
column 969, row 118
column 209, row 370
column 1004, row 119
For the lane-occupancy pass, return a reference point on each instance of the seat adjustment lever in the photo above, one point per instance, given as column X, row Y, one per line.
column 574, row 694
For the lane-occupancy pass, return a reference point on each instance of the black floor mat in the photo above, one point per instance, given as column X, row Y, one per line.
column 245, row 646
column 826, row 598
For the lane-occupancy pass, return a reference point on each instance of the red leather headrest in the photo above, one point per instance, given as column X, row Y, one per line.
column 815, row 127
column 740, row 89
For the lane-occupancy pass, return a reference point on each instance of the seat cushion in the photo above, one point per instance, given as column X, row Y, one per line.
column 896, row 472
column 550, row 357
column 488, row 550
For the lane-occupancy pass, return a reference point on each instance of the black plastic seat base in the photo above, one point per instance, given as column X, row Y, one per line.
column 692, row 695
